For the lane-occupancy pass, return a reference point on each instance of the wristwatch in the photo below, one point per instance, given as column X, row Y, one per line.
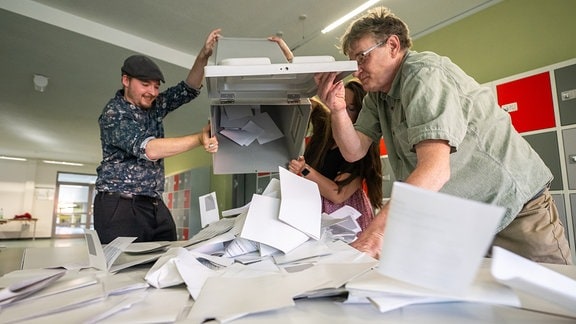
column 305, row 172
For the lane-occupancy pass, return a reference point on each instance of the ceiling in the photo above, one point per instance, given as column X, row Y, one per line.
column 81, row 44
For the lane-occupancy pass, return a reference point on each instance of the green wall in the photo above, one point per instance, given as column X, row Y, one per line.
column 221, row 184
column 508, row 38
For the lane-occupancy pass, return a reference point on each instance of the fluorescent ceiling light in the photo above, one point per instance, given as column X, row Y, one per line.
column 13, row 158
column 349, row 16
column 63, row 163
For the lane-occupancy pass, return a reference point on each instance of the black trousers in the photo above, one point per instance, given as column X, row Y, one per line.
column 146, row 218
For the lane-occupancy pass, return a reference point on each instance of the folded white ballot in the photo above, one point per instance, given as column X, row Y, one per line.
column 528, row 276
column 431, row 236
column 103, row 258
column 23, row 288
column 164, row 272
column 300, row 204
column 289, row 219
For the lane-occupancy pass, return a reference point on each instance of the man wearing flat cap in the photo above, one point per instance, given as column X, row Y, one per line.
column 130, row 179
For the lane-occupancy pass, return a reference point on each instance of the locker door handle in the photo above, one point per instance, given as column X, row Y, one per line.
column 568, row 95
column 572, row 158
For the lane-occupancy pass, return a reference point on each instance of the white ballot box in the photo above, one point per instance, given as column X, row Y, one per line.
column 259, row 106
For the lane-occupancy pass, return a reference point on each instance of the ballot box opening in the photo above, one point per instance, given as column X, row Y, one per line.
column 255, row 138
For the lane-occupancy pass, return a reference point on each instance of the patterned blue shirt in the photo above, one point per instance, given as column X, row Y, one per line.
column 125, row 129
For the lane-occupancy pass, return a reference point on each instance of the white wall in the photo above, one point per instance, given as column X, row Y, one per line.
column 29, row 187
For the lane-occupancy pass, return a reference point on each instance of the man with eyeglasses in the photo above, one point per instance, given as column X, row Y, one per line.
column 443, row 132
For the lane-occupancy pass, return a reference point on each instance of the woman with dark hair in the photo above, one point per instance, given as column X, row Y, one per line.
column 357, row 184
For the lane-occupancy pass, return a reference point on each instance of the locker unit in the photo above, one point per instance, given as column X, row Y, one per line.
column 566, row 93
column 559, row 201
column 542, row 107
column 181, row 192
column 546, row 144
column 569, row 139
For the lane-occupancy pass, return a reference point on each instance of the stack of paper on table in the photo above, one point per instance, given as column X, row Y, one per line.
column 292, row 257
column 44, row 293
column 313, row 268
column 434, row 251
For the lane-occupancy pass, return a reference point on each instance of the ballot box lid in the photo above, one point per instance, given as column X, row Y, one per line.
column 255, row 70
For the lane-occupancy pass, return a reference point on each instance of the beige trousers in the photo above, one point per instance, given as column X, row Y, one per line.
column 537, row 233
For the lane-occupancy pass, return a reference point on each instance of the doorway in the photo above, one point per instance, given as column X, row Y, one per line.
column 73, row 204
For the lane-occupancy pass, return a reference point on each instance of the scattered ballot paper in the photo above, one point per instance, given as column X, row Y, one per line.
column 103, row 258
column 301, row 204
column 343, row 223
column 431, row 236
column 22, row 289
column 522, row 274
column 262, row 225
column 245, row 128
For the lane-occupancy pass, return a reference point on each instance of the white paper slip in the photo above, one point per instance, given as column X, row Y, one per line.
column 301, row 204
column 103, row 258
column 214, row 229
column 345, row 212
column 23, row 288
column 244, row 296
column 270, row 132
column 125, row 303
column 435, row 240
column 71, row 280
column 263, row 214
column 146, row 247
column 520, row 273
column 44, row 306
column 235, row 211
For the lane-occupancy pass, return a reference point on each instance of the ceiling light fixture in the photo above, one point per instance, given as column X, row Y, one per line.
column 40, row 82
column 349, row 16
column 63, row 163
column 12, row 158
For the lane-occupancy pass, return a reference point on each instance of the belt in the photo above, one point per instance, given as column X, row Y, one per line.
column 122, row 195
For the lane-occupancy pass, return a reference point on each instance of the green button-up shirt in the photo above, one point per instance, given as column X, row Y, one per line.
column 432, row 98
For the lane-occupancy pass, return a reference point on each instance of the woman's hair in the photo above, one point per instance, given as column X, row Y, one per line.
column 380, row 23
column 369, row 168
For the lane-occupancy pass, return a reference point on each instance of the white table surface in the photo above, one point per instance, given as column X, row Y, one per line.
column 306, row 310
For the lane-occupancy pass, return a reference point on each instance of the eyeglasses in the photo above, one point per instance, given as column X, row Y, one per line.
column 361, row 57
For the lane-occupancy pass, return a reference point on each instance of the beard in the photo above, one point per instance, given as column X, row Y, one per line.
column 143, row 101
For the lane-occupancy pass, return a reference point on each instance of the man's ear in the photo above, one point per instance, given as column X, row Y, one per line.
column 394, row 43
column 125, row 80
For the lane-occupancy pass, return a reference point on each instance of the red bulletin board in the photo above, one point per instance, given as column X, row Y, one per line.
column 533, row 98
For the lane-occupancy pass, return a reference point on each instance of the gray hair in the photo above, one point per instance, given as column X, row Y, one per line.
column 380, row 23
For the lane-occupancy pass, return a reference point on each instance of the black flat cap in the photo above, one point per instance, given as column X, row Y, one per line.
column 142, row 67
